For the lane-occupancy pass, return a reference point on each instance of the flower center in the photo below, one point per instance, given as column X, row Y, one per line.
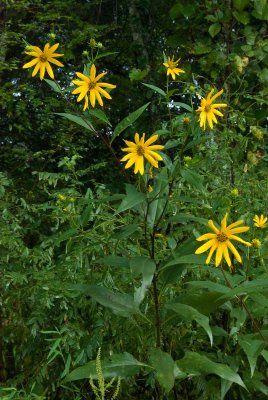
column 222, row 237
column 43, row 58
column 91, row 85
column 172, row 64
column 140, row 150
column 207, row 108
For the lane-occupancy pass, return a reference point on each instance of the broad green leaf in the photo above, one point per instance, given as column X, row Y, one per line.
column 253, row 348
column 214, row 29
column 198, row 259
column 209, row 285
column 86, row 216
column 183, row 105
column 247, row 287
column 65, row 235
column 187, row 217
column 99, row 114
column 193, row 179
column 240, row 4
column 189, row 313
column 242, row 16
column 122, row 365
column 115, row 261
column 121, row 303
column 164, row 366
column 126, row 122
column 132, row 199
column 204, row 302
column 144, row 266
column 125, row 231
column 136, row 74
column 155, row 89
column 78, row 120
column 159, row 196
column 197, row 364
column 53, row 85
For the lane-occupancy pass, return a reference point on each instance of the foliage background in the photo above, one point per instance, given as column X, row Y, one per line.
column 48, row 245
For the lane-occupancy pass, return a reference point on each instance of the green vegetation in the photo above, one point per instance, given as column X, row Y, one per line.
column 102, row 293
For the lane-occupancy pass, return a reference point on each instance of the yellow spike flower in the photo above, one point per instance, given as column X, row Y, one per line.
column 140, row 149
column 42, row 60
column 89, row 88
column 172, row 67
column 220, row 241
column 208, row 110
column 260, row 221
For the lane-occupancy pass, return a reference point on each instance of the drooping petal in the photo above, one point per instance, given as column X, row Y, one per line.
column 130, row 144
column 54, row 47
column 153, row 154
column 49, row 70
column 56, row 62
column 103, row 92
column 238, row 230
column 219, row 253
column 100, row 76
column 239, row 222
column 31, row 63
column 151, row 160
column 36, row 69
column 98, row 97
column 240, row 240
column 130, row 162
column 234, row 251
column 92, row 98
column 206, row 236
column 226, row 255
column 82, row 76
column 155, row 147
column 205, row 246
column 216, row 95
column 213, row 248
column 42, row 71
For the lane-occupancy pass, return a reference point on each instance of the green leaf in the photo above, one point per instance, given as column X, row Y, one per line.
column 121, row 303
column 160, row 196
column 198, row 259
column 122, row 365
column 214, row 29
column 126, row 122
column 240, row 4
column 164, row 366
column 183, row 105
column 193, row 179
column 253, row 348
column 187, row 217
column 155, row 89
column 242, row 16
column 86, row 216
column 53, row 85
column 189, row 313
column 197, row 364
column 99, row 114
column 78, row 120
column 125, row 231
column 115, row 261
column 144, row 266
column 135, row 74
column 132, row 199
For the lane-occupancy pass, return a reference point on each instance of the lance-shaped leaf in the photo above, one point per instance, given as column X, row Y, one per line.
column 253, row 348
column 197, row 364
column 78, row 120
column 126, row 122
column 132, row 199
column 121, row 303
column 189, row 313
column 122, row 365
column 164, row 366
column 144, row 266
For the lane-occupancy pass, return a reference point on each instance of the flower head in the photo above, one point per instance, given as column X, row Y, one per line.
column 208, row 110
column 220, row 241
column 256, row 243
column 172, row 68
column 140, row 149
column 260, row 221
column 42, row 59
column 89, row 87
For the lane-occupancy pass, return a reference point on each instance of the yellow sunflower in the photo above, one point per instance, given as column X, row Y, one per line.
column 89, row 87
column 140, row 149
column 42, row 60
column 172, row 68
column 260, row 222
column 220, row 241
column 208, row 110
